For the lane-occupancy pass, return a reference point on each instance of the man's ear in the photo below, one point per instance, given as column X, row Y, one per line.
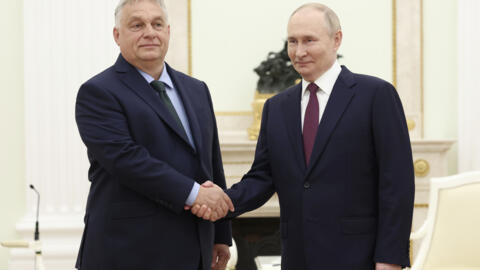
column 338, row 39
column 116, row 35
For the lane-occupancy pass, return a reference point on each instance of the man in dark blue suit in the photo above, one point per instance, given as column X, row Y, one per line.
column 336, row 150
column 152, row 140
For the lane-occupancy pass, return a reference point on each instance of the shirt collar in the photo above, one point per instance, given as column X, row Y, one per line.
column 164, row 77
column 327, row 80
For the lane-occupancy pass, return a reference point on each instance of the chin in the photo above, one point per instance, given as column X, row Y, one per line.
column 305, row 75
column 304, row 71
column 151, row 56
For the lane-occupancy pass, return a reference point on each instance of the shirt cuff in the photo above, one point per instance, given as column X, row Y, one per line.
column 193, row 194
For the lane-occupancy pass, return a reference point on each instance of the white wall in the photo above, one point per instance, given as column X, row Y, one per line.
column 440, row 69
column 468, row 92
column 12, row 157
column 231, row 38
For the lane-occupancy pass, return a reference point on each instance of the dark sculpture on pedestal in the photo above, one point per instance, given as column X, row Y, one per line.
column 276, row 73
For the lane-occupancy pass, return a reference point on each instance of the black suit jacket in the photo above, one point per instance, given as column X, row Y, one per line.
column 352, row 206
column 142, row 169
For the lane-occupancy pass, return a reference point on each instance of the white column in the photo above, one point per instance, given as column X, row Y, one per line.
column 468, row 85
column 408, row 52
column 66, row 43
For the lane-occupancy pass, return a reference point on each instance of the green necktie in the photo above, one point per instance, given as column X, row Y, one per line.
column 162, row 93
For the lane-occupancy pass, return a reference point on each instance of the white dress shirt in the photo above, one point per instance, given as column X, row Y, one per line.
column 325, row 84
column 178, row 105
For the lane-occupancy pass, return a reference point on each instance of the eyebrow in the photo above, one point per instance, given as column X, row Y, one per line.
column 140, row 18
column 302, row 37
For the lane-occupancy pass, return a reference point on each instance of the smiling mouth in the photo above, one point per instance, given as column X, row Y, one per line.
column 302, row 63
column 149, row 45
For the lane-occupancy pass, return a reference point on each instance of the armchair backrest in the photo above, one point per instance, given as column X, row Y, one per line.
column 452, row 240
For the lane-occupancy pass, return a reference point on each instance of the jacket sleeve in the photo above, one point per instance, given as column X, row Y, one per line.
column 223, row 228
column 103, row 128
column 396, row 183
column 256, row 187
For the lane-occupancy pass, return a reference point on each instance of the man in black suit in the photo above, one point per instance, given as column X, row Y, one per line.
column 152, row 139
column 336, row 150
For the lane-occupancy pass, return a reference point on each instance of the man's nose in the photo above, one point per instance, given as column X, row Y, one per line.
column 148, row 31
column 301, row 50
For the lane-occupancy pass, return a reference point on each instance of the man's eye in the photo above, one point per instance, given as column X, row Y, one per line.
column 136, row 26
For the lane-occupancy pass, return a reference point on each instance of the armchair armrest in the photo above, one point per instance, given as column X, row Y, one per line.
column 420, row 233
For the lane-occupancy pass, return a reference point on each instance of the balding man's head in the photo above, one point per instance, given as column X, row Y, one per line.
column 331, row 18
column 314, row 36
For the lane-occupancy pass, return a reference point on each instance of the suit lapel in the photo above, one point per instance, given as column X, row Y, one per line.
column 339, row 99
column 292, row 116
column 183, row 90
column 187, row 98
column 134, row 80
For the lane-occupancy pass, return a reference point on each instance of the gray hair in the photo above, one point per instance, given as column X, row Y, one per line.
column 331, row 18
column 122, row 3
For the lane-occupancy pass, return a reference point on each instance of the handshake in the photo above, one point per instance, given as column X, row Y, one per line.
column 211, row 203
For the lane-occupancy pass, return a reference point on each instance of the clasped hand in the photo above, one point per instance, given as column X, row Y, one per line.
column 211, row 203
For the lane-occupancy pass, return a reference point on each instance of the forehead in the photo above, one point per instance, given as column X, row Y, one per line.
column 307, row 21
column 142, row 10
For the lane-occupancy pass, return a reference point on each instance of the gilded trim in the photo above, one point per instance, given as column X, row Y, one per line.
column 422, row 86
column 411, row 124
column 189, row 29
column 416, row 205
column 411, row 251
column 239, row 177
column 233, row 113
column 422, row 167
column 238, row 162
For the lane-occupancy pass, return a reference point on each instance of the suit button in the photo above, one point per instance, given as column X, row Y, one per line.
column 306, row 185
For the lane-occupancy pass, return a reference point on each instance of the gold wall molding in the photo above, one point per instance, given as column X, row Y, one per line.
column 411, row 124
column 239, row 177
column 422, row 167
column 422, row 64
column 257, row 105
column 411, row 252
column 234, row 113
column 238, row 162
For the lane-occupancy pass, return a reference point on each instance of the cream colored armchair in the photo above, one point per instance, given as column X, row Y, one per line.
column 451, row 232
column 233, row 256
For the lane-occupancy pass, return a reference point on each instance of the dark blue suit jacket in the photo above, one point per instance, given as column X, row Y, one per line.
column 352, row 206
column 142, row 169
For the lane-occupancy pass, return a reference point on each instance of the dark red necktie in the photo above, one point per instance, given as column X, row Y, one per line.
column 310, row 122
